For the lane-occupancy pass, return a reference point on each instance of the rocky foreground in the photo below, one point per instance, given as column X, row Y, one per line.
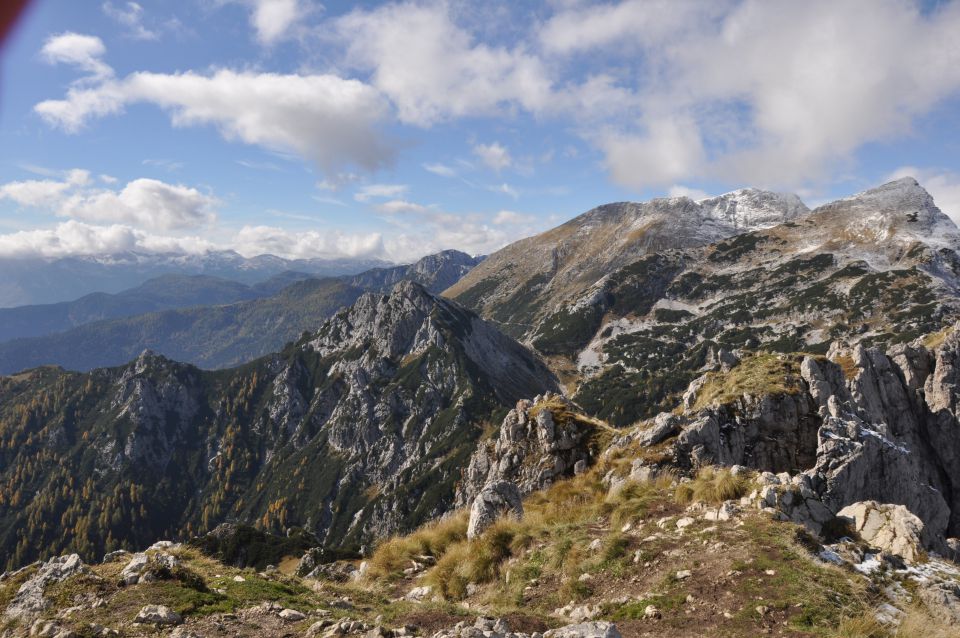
column 793, row 495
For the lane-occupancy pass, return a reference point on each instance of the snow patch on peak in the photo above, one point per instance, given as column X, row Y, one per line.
column 896, row 196
column 749, row 209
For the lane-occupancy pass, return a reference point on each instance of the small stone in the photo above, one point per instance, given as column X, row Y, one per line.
column 239, row 579
column 762, row 610
column 158, row 615
column 770, row 572
column 684, row 522
column 292, row 615
column 651, row 612
column 683, row 574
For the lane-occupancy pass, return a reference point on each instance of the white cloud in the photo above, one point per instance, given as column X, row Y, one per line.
column 679, row 190
column 260, row 240
column 510, row 217
column 440, row 169
column 82, row 51
column 434, row 70
column 108, row 179
column 495, row 155
column 402, row 206
column 130, row 15
column 168, row 165
column 43, row 193
column 73, row 238
column 646, row 23
column 379, row 191
column 144, row 203
column 327, row 119
column 670, row 150
column 505, row 189
column 771, row 93
column 273, row 19
column 943, row 186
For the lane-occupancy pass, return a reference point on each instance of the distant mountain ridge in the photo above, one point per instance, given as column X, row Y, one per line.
column 31, row 281
column 517, row 285
column 880, row 267
column 225, row 334
column 161, row 293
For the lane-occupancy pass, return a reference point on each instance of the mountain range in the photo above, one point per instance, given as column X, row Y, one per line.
column 243, row 323
column 31, row 281
column 734, row 415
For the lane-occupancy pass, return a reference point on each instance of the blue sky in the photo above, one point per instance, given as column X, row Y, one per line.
column 393, row 130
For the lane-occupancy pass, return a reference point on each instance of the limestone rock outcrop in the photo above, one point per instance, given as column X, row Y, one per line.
column 496, row 499
column 540, row 441
column 31, row 597
column 891, row 528
column 863, row 425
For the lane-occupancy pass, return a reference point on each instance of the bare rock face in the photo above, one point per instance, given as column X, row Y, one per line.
column 883, row 427
column 774, row 433
column 538, row 443
column 891, row 528
column 30, row 598
column 494, row 500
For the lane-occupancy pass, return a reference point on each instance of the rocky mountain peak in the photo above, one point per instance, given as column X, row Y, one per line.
column 753, row 209
column 901, row 208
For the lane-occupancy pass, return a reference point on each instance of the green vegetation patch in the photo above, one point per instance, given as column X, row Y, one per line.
column 757, row 375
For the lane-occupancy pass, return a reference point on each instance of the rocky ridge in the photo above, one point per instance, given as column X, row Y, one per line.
column 528, row 280
column 878, row 268
column 391, row 394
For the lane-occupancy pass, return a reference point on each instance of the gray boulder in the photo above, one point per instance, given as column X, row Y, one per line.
column 891, row 528
column 30, row 598
column 663, row 427
column 596, row 629
column 495, row 500
column 158, row 615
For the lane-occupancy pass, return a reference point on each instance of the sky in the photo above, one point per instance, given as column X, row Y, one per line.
column 393, row 130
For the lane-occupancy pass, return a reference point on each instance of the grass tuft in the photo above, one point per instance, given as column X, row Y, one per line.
column 395, row 554
column 760, row 374
column 713, row 486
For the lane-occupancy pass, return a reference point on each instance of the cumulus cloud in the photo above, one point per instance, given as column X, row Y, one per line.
column 130, row 15
column 780, row 93
column 144, row 203
column 42, row 193
column 496, row 156
column 943, row 186
column 273, row 18
column 73, row 238
column 333, row 121
column 433, row 69
column 82, row 51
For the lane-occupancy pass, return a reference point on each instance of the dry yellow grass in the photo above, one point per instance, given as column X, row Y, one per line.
column 756, row 375
column 935, row 339
column 395, row 554
column 712, row 486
